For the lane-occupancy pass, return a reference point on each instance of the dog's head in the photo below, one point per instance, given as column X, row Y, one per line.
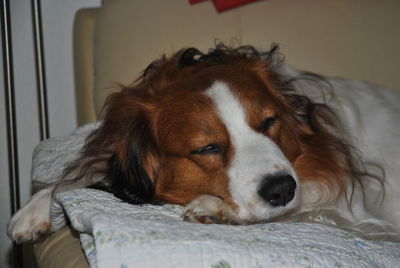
column 223, row 124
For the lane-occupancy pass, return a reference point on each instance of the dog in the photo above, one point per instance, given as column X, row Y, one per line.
column 238, row 137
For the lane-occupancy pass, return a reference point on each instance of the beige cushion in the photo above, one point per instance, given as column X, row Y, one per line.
column 61, row 249
column 131, row 34
column 350, row 38
column 84, row 24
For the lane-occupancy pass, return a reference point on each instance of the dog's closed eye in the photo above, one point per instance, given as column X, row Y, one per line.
column 209, row 149
column 267, row 124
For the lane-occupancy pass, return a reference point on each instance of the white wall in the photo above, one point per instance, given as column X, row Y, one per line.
column 57, row 18
column 57, row 27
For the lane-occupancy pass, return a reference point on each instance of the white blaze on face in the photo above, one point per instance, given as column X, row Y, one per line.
column 256, row 156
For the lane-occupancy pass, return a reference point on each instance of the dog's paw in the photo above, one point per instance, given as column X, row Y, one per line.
column 210, row 209
column 32, row 222
column 25, row 226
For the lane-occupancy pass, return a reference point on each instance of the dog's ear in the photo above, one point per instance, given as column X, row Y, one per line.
column 325, row 156
column 131, row 169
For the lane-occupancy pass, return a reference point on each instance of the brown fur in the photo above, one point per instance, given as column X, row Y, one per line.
column 168, row 99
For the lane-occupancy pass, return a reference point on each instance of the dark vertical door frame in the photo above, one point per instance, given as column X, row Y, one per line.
column 9, row 88
column 12, row 143
column 40, row 70
column 8, row 70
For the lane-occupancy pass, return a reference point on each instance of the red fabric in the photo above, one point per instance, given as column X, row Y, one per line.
column 222, row 5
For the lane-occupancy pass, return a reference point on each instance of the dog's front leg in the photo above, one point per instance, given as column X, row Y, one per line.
column 211, row 209
column 33, row 220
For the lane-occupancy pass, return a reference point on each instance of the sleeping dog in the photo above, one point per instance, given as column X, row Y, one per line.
column 238, row 137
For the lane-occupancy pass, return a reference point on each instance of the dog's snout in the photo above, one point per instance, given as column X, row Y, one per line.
column 278, row 189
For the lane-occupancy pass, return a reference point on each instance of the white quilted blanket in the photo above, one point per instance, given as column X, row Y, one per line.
column 116, row 234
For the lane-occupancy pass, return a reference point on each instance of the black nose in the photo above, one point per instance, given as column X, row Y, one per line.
column 278, row 189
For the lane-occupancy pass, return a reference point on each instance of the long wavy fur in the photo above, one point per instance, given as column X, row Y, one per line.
column 97, row 162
